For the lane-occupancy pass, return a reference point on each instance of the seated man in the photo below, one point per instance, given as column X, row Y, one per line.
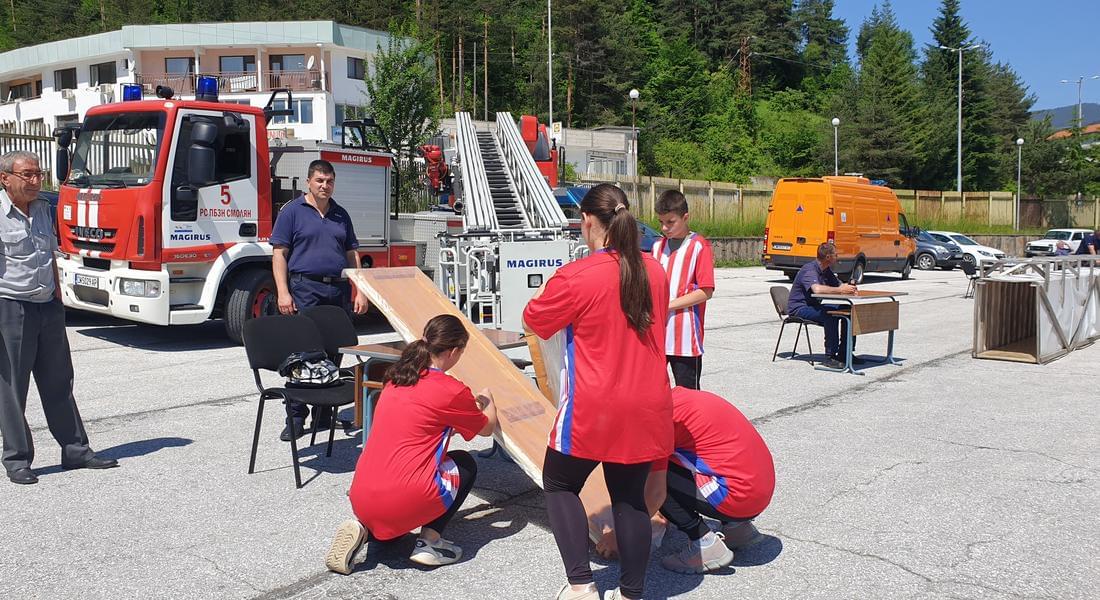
column 817, row 277
column 1091, row 244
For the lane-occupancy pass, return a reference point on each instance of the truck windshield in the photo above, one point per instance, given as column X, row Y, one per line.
column 117, row 150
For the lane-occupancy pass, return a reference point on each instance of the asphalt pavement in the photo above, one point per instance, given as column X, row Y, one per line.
column 942, row 477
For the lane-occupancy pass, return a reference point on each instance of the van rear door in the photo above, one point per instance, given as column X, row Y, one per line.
column 811, row 221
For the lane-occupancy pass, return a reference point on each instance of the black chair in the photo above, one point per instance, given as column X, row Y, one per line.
column 337, row 331
column 780, row 295
column 267, row 342
column 972, row 275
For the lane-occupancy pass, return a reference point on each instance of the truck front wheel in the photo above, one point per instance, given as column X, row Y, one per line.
column 251, row 294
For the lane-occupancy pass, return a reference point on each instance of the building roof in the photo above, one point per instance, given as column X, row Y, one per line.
column 176, row 35
column 1065, row 133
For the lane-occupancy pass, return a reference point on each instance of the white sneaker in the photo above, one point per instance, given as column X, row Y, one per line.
column 567, row 593
column 349, row 537
column 434, row 554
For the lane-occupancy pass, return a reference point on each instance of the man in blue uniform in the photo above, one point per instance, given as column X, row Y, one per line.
column 1091, row 244
column 817, row 277
column 314, row 242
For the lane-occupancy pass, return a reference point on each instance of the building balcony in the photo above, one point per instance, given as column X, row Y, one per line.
column 235, row 82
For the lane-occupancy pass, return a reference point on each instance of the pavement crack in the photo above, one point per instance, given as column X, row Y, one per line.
column 225, row 400
column 219, row 569
column 1016, row 451
column 871, row 480
column 869, row 555
column 826, row 401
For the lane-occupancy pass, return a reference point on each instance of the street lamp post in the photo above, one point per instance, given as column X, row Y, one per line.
column 959, row 171
column 550, row 63
column 634, row 138
column 1079, row 81
column 1019, row 190
column 836, row 147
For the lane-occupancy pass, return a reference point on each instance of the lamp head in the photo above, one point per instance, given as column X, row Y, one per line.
column 634, row 94
column 1019, row 141
column 836, row 122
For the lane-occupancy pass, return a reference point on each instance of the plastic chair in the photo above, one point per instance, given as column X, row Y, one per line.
column 780, row 295
column 267, row 342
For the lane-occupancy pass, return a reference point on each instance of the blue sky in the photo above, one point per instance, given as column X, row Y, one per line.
column 1043, row 41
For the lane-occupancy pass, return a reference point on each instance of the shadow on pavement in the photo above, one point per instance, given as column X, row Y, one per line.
column 129, row 450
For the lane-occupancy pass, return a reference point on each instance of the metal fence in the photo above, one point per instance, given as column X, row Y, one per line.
column 720, row 201
column 30, row 136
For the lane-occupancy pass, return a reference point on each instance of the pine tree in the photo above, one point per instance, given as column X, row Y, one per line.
column 880, row 139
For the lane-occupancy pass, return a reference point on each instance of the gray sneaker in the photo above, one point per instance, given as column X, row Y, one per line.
column 697, row 558
column 350, row 535
column 741, row 535
column 566, row 593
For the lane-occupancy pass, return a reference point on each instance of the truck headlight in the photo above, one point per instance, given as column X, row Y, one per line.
column 139, row 287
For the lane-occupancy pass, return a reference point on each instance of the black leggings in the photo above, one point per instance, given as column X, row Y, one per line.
column 685, row 507
column 562, row 478
column 467, row 473
column 686, row 370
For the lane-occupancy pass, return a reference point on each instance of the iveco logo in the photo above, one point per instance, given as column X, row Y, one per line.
column 91, row 233
column 534, row 262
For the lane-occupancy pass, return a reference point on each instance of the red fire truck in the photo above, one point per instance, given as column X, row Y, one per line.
column 166, row 211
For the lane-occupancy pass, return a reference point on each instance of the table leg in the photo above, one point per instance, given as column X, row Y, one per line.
column 357, row 418
column 890, row 349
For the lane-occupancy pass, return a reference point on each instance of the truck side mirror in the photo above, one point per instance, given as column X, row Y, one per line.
column 201, row 155
column 61, row 163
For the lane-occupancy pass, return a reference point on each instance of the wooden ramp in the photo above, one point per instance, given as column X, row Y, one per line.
column 409, row 299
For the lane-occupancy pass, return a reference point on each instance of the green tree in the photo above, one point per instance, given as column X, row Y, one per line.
column 401, row 96
column 880, row 131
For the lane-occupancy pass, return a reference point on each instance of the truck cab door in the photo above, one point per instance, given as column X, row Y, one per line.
column 200, row 217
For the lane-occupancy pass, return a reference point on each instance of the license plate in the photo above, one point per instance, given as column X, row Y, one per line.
column 778, row 246
column 86, row 280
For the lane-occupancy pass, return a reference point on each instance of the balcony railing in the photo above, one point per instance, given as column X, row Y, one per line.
column 235, row 81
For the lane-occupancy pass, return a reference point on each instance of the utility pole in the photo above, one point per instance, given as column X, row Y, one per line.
column 1079, row 81
column 550, row 63
column 485, row 80
column 745, row 85
column 959, row 171
column 473, row 88
column 461, row 76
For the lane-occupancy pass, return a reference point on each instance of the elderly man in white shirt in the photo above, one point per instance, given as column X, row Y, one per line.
column 32, row 327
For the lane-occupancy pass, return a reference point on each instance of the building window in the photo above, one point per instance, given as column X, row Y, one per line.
column 103, row 73
column 237, row 64
column 349, row 112
column 179, row 66
column 64, row 79
column 288, row 62
column 303, row 112
column 356, row 68
column 21, row 91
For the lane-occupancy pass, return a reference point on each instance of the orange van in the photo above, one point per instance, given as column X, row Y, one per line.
column 863, row 220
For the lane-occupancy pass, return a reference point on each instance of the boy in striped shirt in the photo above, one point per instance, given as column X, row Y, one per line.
column 689, row 266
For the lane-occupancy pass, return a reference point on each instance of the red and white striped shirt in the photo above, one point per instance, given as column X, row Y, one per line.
column 689, row 268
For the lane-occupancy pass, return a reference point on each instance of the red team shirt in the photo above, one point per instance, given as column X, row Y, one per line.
column 615, row 404
column 403, row 478
column 732, row 465
column 689, row 268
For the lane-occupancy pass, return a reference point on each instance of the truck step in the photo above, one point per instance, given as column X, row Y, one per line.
column 186, row 280
column 185, row 307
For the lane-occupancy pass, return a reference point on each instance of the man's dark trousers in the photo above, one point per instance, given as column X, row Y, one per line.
column 306, row 293
column 34, row 341
column 836, row 329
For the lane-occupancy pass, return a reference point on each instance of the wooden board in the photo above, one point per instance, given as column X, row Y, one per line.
column 409, row 299
column 873, row 318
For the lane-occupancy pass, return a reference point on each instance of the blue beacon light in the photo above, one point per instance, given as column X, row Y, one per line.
column 207, row 89
column 131, row 92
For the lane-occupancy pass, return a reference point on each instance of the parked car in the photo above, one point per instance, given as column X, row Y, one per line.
column 973, row 252
column 569, row 199
column 1048, row 245
column 932, row 253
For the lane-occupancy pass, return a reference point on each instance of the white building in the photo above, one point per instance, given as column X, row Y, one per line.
column 321, row 62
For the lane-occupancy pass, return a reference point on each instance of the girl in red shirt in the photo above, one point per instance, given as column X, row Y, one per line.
column 615, row 407
column 405, row 477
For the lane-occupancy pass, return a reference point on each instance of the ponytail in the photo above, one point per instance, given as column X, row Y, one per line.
column 610, row 205
column 442, row 333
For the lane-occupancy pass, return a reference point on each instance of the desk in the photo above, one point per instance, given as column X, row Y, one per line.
column 870, row 312
column 378, row 357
